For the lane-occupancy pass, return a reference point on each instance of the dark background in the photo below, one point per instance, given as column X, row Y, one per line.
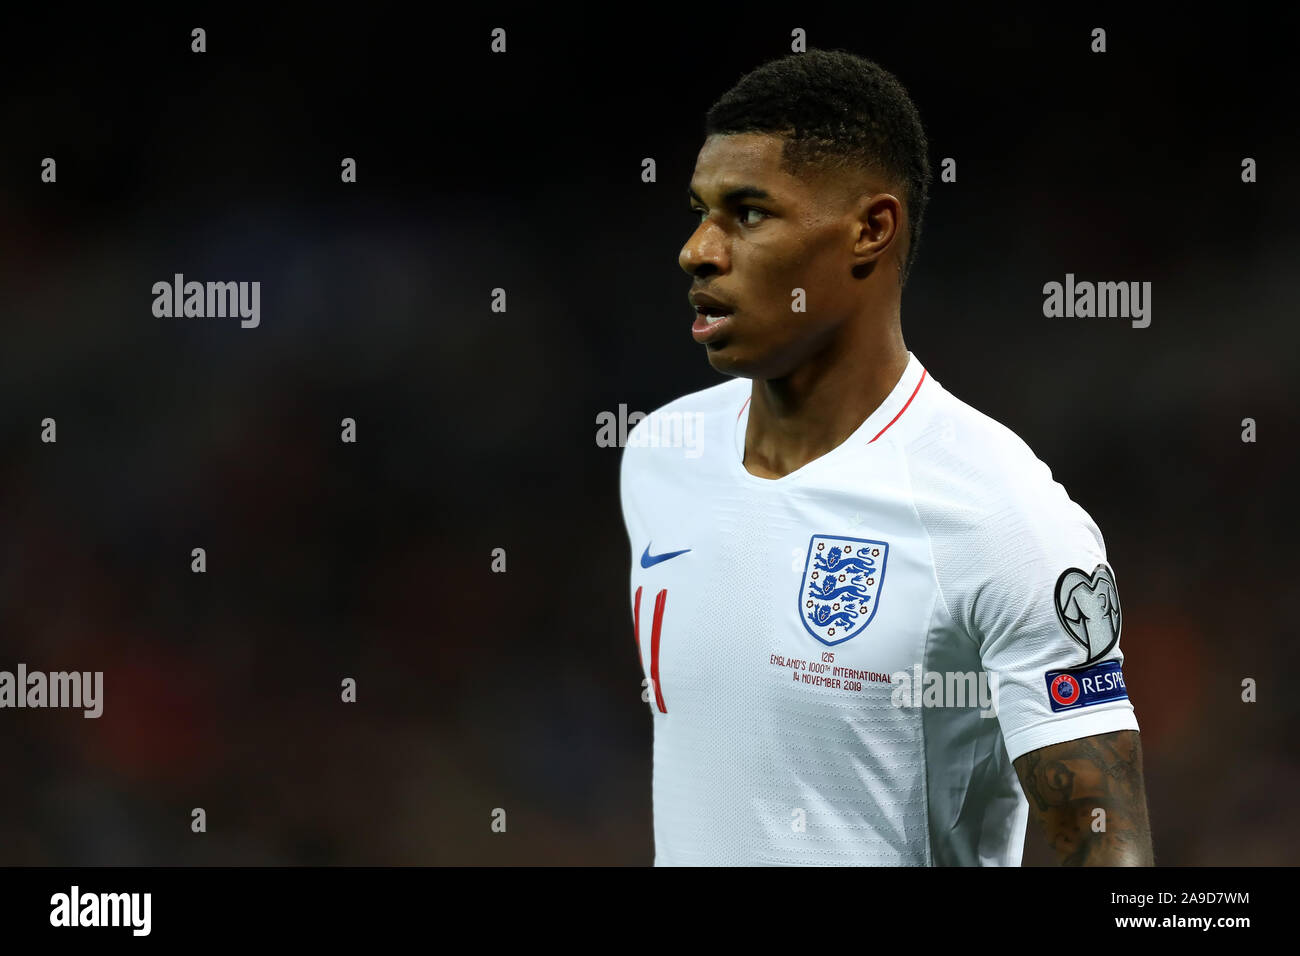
column 477, row 429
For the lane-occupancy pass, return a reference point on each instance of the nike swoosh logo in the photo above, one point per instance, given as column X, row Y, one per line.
column 649, row 560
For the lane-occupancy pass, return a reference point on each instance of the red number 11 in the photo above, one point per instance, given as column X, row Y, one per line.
column 655, row 628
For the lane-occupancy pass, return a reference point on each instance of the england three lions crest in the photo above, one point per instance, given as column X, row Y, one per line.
column 841, row 586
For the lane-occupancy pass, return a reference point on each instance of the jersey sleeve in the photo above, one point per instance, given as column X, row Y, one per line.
column 1041, row 601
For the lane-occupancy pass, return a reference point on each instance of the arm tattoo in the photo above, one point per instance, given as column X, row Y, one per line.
column 1067, row 782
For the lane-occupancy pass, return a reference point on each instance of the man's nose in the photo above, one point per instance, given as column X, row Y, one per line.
column 703, row 251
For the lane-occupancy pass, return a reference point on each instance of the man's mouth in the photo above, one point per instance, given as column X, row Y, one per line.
column 710, row 322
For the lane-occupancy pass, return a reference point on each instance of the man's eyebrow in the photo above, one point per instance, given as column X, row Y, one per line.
column 735, row 195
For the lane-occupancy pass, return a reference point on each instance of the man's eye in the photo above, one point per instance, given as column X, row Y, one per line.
column 696, row 211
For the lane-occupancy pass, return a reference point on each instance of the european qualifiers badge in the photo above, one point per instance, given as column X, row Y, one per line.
column 840, row 588
column 1087, row 605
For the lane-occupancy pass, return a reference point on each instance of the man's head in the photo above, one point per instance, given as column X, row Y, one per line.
column 814, row 175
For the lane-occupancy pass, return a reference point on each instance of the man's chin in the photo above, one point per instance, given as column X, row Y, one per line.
column 725, row 358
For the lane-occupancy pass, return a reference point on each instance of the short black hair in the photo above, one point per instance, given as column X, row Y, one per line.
column 836, row 109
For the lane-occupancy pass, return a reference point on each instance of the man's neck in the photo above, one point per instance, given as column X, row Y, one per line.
column 801, row 417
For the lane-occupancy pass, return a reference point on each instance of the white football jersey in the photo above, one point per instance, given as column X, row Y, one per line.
column 843, row 663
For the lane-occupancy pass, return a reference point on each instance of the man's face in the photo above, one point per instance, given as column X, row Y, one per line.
column 762, row 234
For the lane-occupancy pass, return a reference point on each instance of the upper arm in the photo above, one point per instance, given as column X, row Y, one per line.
column 1023, row 572
column 1090, row 798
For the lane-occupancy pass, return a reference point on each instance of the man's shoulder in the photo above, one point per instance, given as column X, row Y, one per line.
column 692, row 410
column 711, row 399
column 689, row 418
column 989, row 505
column 967, row 459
